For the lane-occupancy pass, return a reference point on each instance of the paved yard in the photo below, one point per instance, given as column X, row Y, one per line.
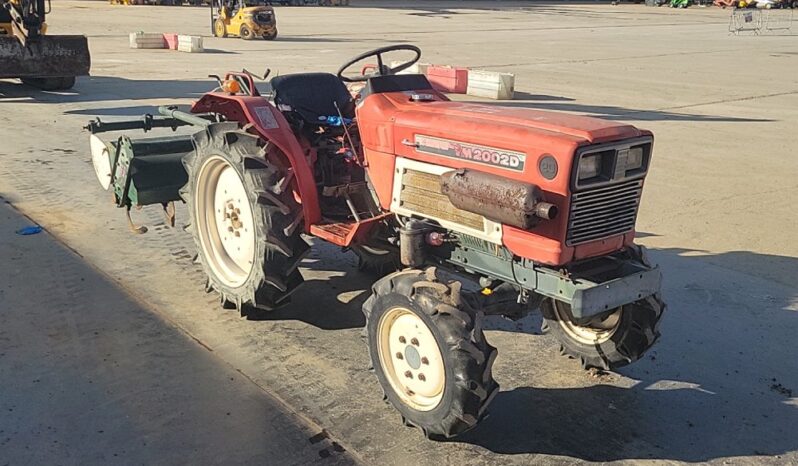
column 718, row 214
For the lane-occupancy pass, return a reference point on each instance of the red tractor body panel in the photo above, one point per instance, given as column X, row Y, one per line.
column 272, row 126
column 504, row 141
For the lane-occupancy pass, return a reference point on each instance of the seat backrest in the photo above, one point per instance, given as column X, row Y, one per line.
column 313, row 95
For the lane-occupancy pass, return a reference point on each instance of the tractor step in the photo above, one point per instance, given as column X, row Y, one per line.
column 336, row 233
column 344, row 233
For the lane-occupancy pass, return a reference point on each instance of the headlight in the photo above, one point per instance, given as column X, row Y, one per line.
column 589, row 166
column 634, row 158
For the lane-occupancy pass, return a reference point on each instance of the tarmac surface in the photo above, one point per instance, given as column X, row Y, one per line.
column 718, row 214
column 91, row 377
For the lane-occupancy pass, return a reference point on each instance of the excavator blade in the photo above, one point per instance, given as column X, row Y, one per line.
column 46, row 57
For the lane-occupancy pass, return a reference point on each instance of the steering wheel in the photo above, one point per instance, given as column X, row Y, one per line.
column 382, row 68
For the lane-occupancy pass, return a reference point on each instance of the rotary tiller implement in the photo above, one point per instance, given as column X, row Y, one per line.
column 462, row 209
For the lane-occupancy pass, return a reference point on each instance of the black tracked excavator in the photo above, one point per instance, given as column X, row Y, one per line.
column 48, row 62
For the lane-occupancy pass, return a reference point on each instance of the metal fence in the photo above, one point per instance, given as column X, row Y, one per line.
column 761, row 21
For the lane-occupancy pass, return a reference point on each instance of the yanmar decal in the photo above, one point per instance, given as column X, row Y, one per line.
column 501, row 158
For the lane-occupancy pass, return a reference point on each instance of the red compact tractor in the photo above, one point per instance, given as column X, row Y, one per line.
column 463, row 209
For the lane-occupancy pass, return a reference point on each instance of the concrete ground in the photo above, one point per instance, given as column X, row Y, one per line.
column 91, row 377
column 718, row 215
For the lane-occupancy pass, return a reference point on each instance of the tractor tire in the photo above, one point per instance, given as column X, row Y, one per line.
column 219, row 28
column 378, row 260
column 429, row 353
column 244, row 226
column 611, row 341
column 50, row 84
column 375, row 255
column 245, row 33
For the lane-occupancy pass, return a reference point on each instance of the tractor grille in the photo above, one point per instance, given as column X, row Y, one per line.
column 603, row 212
column 421, row 193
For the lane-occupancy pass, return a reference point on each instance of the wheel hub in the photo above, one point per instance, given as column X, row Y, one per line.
column 597, row 331
column 225, row 221
column 411, row 359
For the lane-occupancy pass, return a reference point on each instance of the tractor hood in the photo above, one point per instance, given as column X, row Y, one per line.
column 510, row 125
column 507, row 141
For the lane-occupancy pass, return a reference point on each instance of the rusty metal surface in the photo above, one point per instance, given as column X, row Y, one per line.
column 411, row 246
column 48, row 56
column 497, row 198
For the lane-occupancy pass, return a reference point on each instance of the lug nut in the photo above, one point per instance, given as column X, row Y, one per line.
column 402, row 340
column 408, row 374
column 424, row 360
column 237, row 234
column 230, row 206
column 230, row 229
column 421, row 377
column 399, row 356
column 414, row 342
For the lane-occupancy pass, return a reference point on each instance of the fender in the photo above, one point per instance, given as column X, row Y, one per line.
column 272, row 126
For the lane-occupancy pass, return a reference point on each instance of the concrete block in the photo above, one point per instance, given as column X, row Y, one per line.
column 418, row 68
column 191, row 44
column 448, row 78
column 171, row 41
column 146, row 40
column 491, row 84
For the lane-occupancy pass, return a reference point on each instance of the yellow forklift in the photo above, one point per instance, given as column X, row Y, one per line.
column 245, row 19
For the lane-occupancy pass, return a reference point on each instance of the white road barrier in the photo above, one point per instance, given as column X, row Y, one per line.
column 146, row 40
column 191, row 44
column 491, row 84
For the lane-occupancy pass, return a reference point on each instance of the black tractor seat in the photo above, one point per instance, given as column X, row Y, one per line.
column 312, row 96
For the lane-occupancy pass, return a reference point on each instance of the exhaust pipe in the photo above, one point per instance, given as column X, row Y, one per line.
column 500, row 199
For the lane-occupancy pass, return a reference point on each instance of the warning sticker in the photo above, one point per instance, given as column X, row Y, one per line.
column 501, row 158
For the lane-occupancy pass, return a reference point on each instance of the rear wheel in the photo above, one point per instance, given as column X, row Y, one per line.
column 245, row 32
column 429, row 353
column 375, row 258
column 51, row 84
column 241, row 221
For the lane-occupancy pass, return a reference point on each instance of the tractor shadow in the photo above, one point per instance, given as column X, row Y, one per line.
column 332, row 295
column 106, row 88
column 721, row 382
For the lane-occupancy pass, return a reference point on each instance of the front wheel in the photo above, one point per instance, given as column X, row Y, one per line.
column 429, row 353
column 608, row 341
column 219, row 28
column 271, row 35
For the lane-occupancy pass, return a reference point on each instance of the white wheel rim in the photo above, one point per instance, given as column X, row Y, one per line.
column 411, row 359
column 101, row 159
column 597, row 331
column 224, row 222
